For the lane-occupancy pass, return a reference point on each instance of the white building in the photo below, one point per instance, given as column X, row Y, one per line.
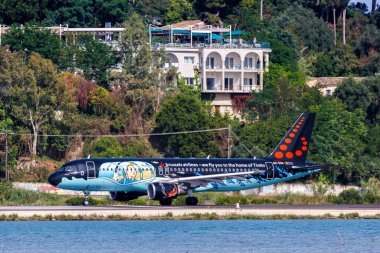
column 224, row 68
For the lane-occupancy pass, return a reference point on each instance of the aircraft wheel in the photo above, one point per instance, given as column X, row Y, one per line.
column 191, row 201
column 85, row 202
column 166, row 202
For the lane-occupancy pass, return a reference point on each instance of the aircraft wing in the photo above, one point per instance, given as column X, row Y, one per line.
column 205, row 179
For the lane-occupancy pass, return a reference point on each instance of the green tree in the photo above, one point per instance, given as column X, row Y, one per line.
column 338, row 139
column 178, row 10
column 339, row 62
column 100, row 100
column 95, row 59
column 22, row 11
column 185, row 112
column 311, row 32
column 31, row 38
column 373, row 110
column 114, row 11
column 104, row 147
column 78, row 13
column 140, row 76
column 354, row 95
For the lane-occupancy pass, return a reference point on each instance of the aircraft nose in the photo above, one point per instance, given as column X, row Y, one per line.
column 54, row 179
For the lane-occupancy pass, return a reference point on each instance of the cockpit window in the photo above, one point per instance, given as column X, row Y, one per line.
column 69, row 169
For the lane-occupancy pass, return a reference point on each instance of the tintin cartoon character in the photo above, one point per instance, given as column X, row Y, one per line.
column 131, row 172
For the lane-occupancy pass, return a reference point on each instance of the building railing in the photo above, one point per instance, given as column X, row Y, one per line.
column 237, row 67
column 258, row 45
column 233, row 88
column 214, row 67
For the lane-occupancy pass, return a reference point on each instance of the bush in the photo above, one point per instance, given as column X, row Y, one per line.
column 10, row 195
column 350, row 196
column 78, row 201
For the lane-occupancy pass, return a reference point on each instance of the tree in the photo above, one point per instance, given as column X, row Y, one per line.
column 339, row 139
column 185, row 112
column 104, row 147
column 311, row 31
column 354, row 95
column 36, row 94
column 79, row 13
column 373, row 9
column 95, row 59
column 373, row 110
column 22, row 11
column 139, row 75
column 32, row 38
column 178, row 10
column 114, row 11
column 338, row 62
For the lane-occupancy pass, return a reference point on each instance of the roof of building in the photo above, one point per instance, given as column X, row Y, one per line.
column 329, row 81
column 187, row 23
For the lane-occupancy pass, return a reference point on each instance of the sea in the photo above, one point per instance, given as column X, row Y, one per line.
column 188, row 236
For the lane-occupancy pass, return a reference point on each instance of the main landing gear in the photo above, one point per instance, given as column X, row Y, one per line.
column 86, row 200
column 166, row 202
column 191, row 201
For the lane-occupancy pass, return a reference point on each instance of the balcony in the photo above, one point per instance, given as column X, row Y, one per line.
column 215, row 67
column 237, row 88
column 235, row 67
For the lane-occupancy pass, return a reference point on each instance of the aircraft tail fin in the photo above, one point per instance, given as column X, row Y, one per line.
column 295, row 144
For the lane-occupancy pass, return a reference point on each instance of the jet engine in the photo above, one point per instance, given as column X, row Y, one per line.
column 159, row 191
column 124, row 196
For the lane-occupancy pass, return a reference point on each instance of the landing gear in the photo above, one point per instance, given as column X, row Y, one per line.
column 86, row 200
column 191, row 201
column 166, row 202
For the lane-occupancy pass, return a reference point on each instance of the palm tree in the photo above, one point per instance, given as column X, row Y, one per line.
column 373, row 6
column 342, row 5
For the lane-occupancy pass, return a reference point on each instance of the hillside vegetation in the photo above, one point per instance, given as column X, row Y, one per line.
column 52, row 87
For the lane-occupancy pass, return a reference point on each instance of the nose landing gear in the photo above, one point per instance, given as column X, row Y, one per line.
column 86, row 200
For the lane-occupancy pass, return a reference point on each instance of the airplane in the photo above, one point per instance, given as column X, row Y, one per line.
column 164, row 179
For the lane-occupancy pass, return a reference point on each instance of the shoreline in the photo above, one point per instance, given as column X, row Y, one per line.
column 169, row 216
column 186, row 213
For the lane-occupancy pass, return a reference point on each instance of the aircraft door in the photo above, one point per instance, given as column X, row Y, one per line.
column 270, row 170
column 91, row 172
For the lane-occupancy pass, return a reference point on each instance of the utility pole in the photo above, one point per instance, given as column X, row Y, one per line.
column 229, row 141
column 261, row 9
column 6, row 158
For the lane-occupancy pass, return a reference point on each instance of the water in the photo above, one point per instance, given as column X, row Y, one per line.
column 191, row 236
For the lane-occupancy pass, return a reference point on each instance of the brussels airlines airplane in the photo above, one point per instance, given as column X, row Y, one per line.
column 164, row 179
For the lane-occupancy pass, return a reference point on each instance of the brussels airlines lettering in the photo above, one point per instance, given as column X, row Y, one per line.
column 164, row 179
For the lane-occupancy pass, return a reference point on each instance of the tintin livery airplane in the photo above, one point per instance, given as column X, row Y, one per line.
column 163, row 179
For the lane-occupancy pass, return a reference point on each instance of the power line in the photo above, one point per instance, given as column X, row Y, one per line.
column 118, row 135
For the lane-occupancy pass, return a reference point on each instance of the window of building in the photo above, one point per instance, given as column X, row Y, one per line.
column 190, row 80
column 248, row 81
column 229, row 62
column 258, row 79
column 210, row 62
column 328, row 92
column 228, row 83
column 248, row 63
column 189, row 59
